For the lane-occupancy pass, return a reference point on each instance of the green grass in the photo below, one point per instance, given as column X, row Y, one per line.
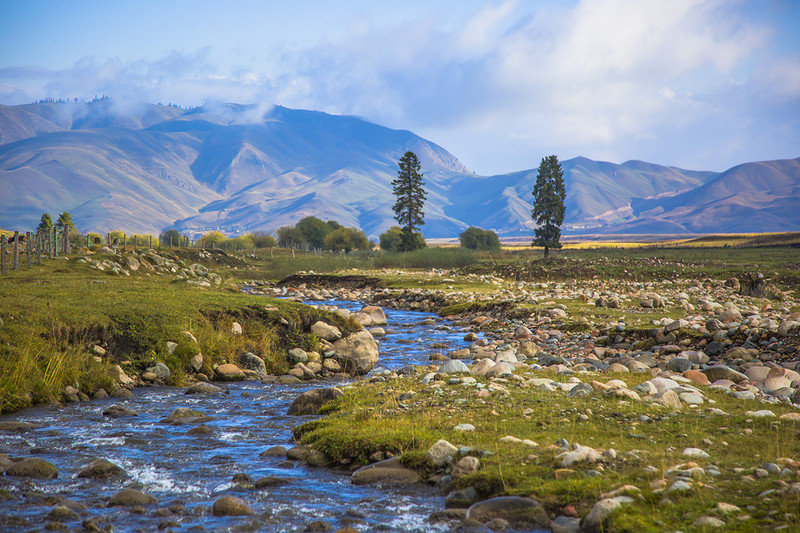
column 428, row 258
column 53, row 315
column 370, row 418
column 781, row 265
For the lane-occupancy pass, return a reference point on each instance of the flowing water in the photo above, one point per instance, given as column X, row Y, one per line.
column 188, row 473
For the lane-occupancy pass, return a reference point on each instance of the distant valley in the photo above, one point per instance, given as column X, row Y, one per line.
column 146, row 168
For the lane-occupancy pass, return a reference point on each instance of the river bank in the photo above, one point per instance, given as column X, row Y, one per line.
column 680, row 412
column 610, row 404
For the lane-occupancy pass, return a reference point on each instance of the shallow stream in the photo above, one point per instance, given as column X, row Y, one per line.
column 188, row 473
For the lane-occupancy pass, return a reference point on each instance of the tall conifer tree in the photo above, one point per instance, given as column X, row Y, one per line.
column 46, row 223
column 64, row 222
column 548, row 204
column 407, row 188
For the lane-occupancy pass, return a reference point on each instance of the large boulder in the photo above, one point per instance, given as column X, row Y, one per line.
column 310, row 402
column 121, row 377
column 34, row 468
column 102, row 469
column 184, row 415
column 231, row 506
column 521, row 513
column 717, row 372
column 597, row 518
column 161, row 371
column 204, row 388
column 118, row 411
column 376, row 314
column 326, row 331
column 131, row 497
column 229, row 372
column 441, row 453
column 390, row 471
column 356, row 354
column 454, row 366
column 252, row 362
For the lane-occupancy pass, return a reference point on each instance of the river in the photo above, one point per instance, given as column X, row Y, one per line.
column 188, row 473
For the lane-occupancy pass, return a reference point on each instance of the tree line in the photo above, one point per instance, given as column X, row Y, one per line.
column 310, row 232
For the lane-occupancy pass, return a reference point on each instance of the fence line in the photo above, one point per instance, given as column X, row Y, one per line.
column 51, row 243
column 47, row 242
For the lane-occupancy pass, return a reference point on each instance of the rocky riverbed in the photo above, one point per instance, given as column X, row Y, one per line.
column 711, row 340
column 654, row 350
column 709, row 333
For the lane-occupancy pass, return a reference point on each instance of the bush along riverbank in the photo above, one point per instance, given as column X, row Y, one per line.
column 99, row 324
column 586, row 406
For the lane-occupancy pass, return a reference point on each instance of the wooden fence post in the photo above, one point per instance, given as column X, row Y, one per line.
column 28, row 244
column 51, row 236
column 39, row 246
column 292, row 253
column 16, row 250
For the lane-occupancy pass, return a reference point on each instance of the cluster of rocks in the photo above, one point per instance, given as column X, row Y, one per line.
column 750, row 350
column 123, row 264
column 137, row 501
column 723, row 341
column 339, row 358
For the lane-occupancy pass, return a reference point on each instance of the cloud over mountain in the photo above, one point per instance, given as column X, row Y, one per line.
column 699, row 83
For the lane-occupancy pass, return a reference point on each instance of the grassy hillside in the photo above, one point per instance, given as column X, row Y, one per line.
column 53, row 316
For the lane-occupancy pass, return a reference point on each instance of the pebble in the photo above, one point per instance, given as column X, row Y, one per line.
column 694, row 452
column 708, row 521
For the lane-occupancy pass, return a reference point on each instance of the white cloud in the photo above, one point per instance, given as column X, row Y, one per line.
column 613, row 77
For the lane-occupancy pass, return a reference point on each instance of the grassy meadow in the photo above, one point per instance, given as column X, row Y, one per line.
column 53, row 316
column 404, row 417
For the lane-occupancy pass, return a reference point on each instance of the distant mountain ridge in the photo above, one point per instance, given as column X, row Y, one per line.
column 145, row 168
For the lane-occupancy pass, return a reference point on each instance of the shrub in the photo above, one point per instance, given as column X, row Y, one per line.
column 391, row 239
column 95, row 238
column 479, row 239
column 116, row 237
column 290, row 237
column 346, row 239
column 172, row 237
column 262, row 239
column 242, row 242
column 314, row 231
column 212, row 239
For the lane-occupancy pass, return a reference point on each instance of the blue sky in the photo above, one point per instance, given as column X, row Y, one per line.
column 700, row 84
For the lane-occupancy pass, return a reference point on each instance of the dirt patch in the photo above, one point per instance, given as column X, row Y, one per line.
column 330, row 281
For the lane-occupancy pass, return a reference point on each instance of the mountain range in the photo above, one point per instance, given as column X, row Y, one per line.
column 145, row 168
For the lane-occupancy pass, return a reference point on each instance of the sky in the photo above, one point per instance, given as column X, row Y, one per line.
column 698, row 84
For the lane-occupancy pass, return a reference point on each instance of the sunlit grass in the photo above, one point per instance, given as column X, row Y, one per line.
column 53, row 315
column 371, row 417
